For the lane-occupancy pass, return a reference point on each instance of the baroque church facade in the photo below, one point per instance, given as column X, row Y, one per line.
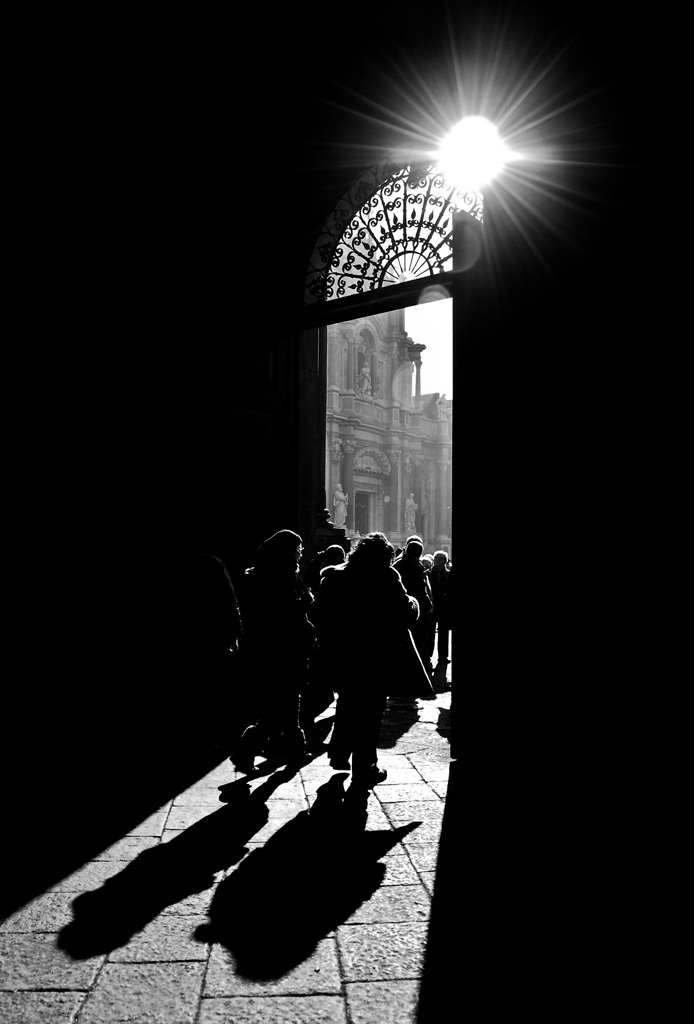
column 388, row 446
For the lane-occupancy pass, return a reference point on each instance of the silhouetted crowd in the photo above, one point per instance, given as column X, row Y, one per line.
column 361, row 627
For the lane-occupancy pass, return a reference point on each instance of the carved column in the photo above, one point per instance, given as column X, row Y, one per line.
column 443, row 494
column 375, row 382
column 333, row 481
column 424, row 508
column 348, row 446
column 393, row 491
column 351, row 365
column 415, row 353
column 405, row 488
column 326, row 531
column 334, row 357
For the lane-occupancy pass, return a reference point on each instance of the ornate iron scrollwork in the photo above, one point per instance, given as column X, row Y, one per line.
column 400, row 228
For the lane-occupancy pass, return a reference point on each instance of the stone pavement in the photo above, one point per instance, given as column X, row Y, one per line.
column 276, row 898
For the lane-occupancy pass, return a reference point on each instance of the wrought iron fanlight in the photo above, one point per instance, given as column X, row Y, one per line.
column 395, row 224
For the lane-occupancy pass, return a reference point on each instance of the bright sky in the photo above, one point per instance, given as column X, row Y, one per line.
column 431, row 324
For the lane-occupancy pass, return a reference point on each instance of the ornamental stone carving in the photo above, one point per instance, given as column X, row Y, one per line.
column 372, row 460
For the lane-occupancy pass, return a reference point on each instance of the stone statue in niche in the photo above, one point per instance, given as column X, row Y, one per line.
column 410, row 510
column 363, row 388
column 340, row 500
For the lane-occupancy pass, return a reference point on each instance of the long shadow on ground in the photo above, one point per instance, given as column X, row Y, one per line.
column 68, row 806
column 274, row 909
column 108, row 917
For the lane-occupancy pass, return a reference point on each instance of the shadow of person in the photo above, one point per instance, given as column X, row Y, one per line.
column 400, row 714
column 443, row 726
column 108, row 917
column 307, row 879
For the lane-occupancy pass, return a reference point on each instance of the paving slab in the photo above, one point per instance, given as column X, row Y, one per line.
column 318, row 973
column 427, row 831
column 429, row 765
column 169, row 937
column 47, row 913
column 196, row 903
column 405, row 792
column 423, row 855
column 376, row 817
column 396, row 850
column 439, row 786
column 286, row 807
column 171, row 833
column 220, row 775
column 289, row 789
column 393, row 759
column 128, row 848
column 90, row 876
column 399, row 773
column 418, row 740
column 382, row 952
column 394, row 903
column 198, row 797
column 384, row 1002
column 35, row 962
column 160, row 993
column 39, row 1007
column 153, row 825
column 399, row 870
column 277, row 1010
column 184, row 815
column 413, row 810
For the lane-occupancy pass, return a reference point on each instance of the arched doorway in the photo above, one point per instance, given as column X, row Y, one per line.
column 392, row 242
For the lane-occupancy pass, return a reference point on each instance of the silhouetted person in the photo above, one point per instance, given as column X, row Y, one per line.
column 319, row 694
column 438, row 577
column 366, row 585
column 399, row 552
column 334, row 554
column 415, row 582
column 277, row 642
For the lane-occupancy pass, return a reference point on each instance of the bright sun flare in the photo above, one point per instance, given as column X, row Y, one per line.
column 472, row 154
column 524, row 112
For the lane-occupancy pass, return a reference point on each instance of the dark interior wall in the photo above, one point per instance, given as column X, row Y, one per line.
column 239, row 485
column 152, row 393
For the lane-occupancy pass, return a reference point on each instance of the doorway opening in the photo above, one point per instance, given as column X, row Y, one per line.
column 389, row 423
column 362, row 518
